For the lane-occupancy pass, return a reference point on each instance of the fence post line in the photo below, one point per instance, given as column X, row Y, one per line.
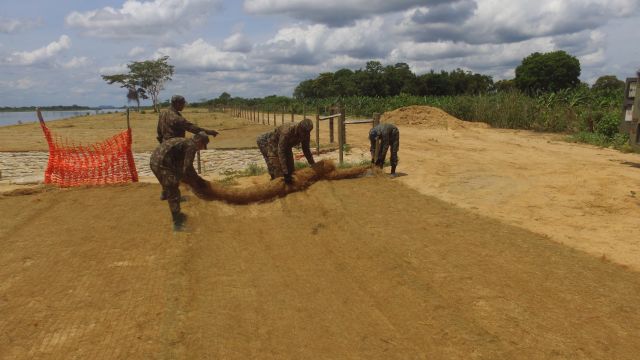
column 376, row 119
column 341, row 137
column 343, row 126
column 318, row 133
column 284, row 109
column 304, row 111
column 330, row 128
column 128, row 125
column 268, row 116
column 275, row 121
column 291, row 113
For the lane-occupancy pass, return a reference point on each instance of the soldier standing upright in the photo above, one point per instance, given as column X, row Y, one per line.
column 171, row 162
column 383, row 137
column 172, row 124
column 276, row 145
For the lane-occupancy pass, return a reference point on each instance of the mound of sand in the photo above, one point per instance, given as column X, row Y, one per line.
column 429, row 117
column 302, row 179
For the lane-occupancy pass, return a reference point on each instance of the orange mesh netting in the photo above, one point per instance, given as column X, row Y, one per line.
column 108, row 162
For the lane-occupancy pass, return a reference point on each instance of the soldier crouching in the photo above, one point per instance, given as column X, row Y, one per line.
column 171, row 162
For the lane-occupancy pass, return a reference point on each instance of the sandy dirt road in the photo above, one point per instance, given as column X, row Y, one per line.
column 579, row 195
column 313, row 275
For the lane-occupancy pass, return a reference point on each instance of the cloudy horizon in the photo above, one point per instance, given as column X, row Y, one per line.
column 55, row 53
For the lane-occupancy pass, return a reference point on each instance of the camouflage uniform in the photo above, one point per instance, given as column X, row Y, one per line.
column 390, row 136
column 276, row 145
column 171, row 162
column 171, row 123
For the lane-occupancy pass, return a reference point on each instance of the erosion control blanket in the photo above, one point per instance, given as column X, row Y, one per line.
column 302, row 179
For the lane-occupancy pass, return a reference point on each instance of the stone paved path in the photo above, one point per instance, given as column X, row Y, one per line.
column 17, row 167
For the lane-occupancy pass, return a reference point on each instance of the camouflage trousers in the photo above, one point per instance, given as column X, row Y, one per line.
column 269, row 149
column 393, row 144
column 170, row 186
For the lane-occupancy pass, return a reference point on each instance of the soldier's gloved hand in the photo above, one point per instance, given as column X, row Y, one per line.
column 288, row 179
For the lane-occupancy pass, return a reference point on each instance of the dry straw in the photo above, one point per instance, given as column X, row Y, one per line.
column 302, row 179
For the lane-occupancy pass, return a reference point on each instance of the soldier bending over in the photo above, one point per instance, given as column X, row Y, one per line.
column 276, row 145
column 388, row 136
column 171, row 162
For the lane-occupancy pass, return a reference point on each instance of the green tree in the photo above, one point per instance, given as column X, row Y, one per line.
column 608, row 83
column 344, row 82
column 506, row 85
column 152, row 74
column 304, row 90
column 135, row 91
column 551, row 71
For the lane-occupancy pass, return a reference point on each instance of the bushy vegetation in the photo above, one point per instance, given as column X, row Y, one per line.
column 545, row 95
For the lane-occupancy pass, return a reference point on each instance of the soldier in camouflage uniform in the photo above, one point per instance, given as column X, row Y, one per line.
column 171, row 124
column 276, row 145
column 171, row 162
column 389, row 137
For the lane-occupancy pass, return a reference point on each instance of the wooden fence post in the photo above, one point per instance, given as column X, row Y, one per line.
column 341, row 137
column 283, row 111
column 343, row 127
column 291, row 113
column 330, row 127
column 275, row 121
column 376, row 119
column 318, row 133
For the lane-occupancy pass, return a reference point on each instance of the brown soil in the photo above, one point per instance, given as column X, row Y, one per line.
column 362, row 268
column 234, row 132
column 427, row 117
column 525, row 265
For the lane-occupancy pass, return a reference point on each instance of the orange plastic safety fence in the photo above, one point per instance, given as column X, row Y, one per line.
column 108, row 162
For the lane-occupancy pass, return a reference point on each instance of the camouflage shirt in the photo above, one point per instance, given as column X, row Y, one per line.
column 390, row 136
column 171, row 124
column 286, row 137
column 176, row 156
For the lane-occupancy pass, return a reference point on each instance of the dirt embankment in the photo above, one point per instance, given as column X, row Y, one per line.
column 428, row 117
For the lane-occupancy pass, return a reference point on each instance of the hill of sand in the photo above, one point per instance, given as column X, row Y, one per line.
column 427, row 117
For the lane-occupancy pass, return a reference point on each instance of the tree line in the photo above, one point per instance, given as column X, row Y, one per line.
column 537, row 73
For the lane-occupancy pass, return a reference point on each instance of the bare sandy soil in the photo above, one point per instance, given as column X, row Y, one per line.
column 234, row 133
column 95, row 273
column 493, row 244
column 579, row 195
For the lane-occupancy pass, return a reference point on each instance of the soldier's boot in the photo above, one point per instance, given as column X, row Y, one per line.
column 179, row 220
column 393, row 171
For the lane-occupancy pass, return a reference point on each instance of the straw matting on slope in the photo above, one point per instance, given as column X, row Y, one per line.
column 429, row 117
column 302, row 179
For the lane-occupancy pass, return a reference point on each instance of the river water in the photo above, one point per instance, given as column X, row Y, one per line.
column 18, row 117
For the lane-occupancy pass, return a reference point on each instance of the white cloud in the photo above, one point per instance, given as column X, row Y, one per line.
column 500, row 21
column 111, row 70
column 76, row 62
column 20, row 84
column 40, row 55
column 237, row 42
column 332, row 12
column 143, row 18
column 202, row 56
column 138, row 50
column 10, row 26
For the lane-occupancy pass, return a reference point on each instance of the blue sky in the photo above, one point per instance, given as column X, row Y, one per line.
column 53, row 52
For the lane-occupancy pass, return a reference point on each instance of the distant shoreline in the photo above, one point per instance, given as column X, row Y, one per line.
column 21, row 109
